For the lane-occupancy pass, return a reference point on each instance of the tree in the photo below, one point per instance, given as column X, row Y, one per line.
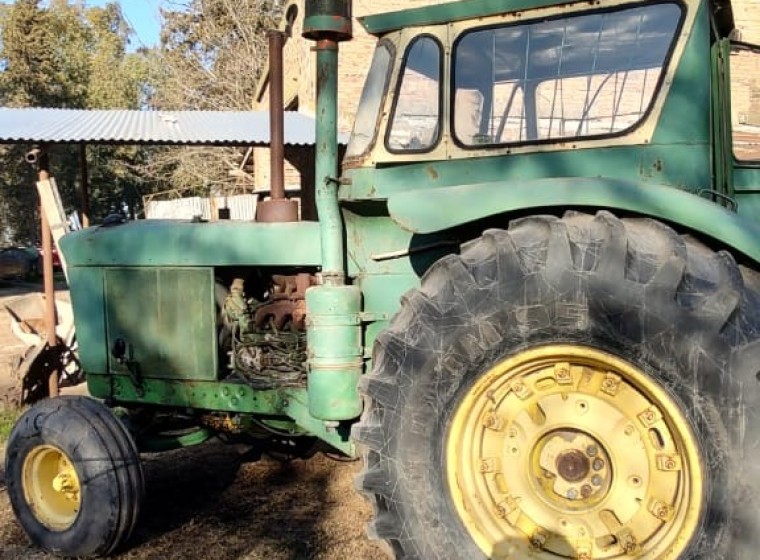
column 67, row 56
column 63, row 54
column 117, row 78
column 212, row 54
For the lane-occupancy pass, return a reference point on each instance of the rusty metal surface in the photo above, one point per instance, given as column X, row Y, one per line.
column 276, row 123
column 288, row 302
column 85, row 185
column 279, row 210
column 327, row 19
column 43, row 171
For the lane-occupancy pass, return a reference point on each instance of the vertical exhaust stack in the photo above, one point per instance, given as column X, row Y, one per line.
column 333, row 308
column 277, row 208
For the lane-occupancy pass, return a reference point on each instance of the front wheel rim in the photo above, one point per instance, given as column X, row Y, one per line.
column 565, row 451
column 51, row 487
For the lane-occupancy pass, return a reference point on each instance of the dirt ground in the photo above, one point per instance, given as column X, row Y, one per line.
column 10, row 346
column 215, row 502
column 210, row 503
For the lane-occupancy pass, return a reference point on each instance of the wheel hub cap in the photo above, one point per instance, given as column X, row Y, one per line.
column 51, row 487
column 569, row 452
column 573, row 465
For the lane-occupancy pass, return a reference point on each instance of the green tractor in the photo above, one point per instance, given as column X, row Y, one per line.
column 531, row 301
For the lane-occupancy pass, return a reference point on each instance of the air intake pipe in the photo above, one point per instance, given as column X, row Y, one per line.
column 328, row 22
column 334, row 326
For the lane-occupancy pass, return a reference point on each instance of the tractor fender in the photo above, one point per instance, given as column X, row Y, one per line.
column 422, row 211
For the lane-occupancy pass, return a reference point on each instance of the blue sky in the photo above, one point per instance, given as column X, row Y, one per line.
column 143, row 16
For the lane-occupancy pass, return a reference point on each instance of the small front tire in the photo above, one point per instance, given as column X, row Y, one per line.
column 74, row 477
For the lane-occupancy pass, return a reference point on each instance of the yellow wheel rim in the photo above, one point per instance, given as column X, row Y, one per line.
column 51, row 487
column 569, row 452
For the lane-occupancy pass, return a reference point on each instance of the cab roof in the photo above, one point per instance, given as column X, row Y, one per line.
column 379, row 24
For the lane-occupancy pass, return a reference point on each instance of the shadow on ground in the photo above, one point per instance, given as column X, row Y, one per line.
column 210, row 503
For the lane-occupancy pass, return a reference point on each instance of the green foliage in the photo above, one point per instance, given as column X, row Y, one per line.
column 44, row 55
column 18, row 197
column 117, row 78
column 7, row 420
column 65, row 55
column 61, row 53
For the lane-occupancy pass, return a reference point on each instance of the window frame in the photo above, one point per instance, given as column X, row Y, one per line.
column 391, row 48
column 658, row 89
column 399, row 83
column 755, row 49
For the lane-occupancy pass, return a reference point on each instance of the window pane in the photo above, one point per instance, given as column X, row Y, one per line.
column 745, row 103
column 369, row 104
column 416, row 115
column 593, row 105
column 583, row 75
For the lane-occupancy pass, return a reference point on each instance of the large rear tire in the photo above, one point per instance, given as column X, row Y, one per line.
column 74, row 477
column 581, row 388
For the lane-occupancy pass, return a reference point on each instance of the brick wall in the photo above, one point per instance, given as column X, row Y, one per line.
column 747, row 18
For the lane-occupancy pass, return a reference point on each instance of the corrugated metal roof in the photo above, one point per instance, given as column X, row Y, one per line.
column 218, row 128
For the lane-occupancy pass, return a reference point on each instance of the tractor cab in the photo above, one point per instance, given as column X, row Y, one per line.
column 477, row 94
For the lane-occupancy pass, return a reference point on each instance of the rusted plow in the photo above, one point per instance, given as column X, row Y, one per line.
column 33, row 368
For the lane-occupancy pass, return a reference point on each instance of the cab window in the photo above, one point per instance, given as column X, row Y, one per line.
column 415, row 121
column 745, row 101
column 365, row 123
column 587, row 75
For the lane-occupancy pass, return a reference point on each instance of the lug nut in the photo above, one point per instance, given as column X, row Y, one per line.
column 572, row 494
column 598, row 464
column 586, row 490
column 596, row 480
column 591, row 450
column 629, row 544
